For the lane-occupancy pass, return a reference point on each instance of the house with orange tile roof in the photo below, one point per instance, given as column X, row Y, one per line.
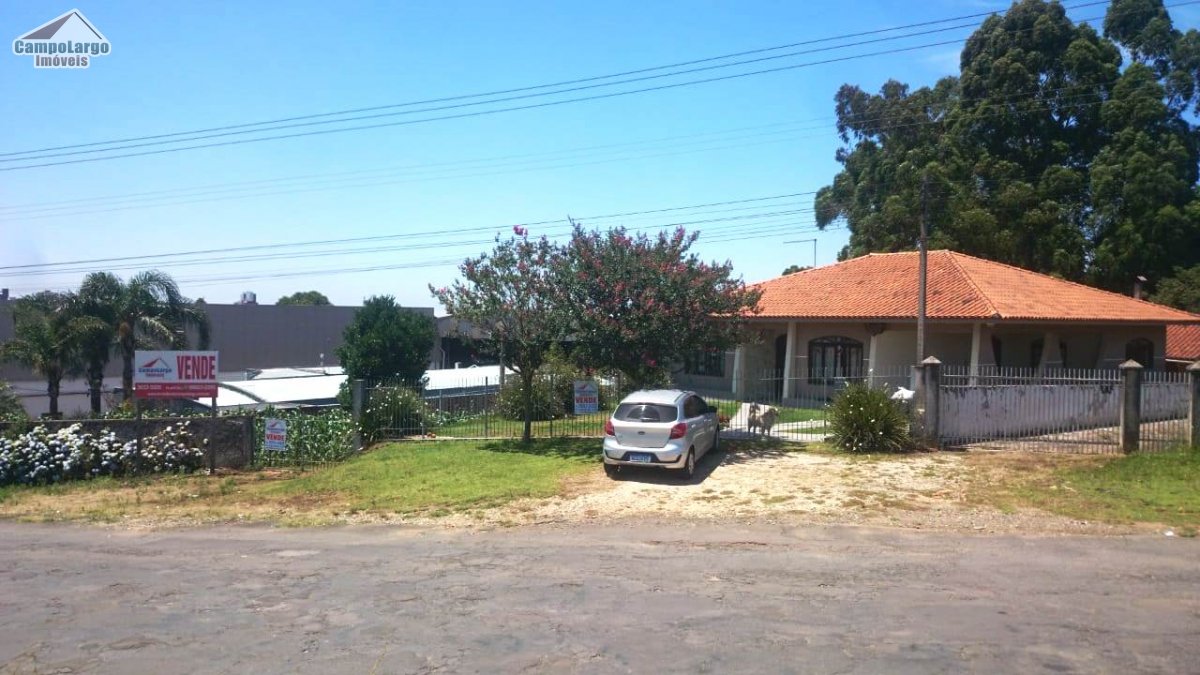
column 858, row 318
column 1183, row 346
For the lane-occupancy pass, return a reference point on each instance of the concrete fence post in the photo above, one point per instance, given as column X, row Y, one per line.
column 248, row 434
column 358, row 400
column 1193, row 372
column 1131, row 405
column 931, row 382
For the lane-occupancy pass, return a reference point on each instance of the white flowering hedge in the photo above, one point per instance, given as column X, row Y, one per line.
column 41, row 456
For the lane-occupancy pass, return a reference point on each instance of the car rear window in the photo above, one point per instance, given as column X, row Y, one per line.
column 645, row 412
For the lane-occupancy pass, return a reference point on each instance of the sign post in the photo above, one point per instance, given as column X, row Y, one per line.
column 175, row 374
column 587, row 397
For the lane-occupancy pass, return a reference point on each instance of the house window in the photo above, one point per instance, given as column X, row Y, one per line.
column 707, row 363
column 830, row 358
column 1142, row 351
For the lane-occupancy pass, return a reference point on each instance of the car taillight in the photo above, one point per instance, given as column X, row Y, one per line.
column 608, row 428
column 679, row 430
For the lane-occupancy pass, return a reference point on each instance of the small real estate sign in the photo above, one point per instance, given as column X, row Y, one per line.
column 275, row 439
column 587, row 397
column 158, row 374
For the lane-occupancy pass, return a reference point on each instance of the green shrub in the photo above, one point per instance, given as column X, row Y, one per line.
column 11, row 409
column 392, row 412
column 553, row 391
column 866, row 420
column 547, row 399
column 326, row 436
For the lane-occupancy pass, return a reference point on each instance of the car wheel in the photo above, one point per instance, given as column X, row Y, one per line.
column 716, row 442
column 611, row 470
column 689, row 466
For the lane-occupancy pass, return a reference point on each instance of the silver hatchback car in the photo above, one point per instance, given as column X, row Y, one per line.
column 664, row 428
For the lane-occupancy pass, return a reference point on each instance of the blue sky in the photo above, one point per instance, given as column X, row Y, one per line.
column 191, row 65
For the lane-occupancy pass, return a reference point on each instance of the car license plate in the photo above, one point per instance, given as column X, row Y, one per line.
column 640, row 457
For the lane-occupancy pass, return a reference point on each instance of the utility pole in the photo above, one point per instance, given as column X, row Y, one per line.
column 923, row 274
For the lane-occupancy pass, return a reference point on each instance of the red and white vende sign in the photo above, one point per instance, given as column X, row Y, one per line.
column 174, row 374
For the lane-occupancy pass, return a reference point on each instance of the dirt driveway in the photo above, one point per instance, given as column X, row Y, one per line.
column 745, row 482
column 789, row 483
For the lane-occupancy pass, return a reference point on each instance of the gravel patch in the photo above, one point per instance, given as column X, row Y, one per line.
column 919, row 491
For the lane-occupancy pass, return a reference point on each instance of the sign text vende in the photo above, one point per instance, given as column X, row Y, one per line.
column 175, row 374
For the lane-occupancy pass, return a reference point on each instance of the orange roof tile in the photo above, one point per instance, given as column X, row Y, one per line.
column 884, row 286
column 1183, row 342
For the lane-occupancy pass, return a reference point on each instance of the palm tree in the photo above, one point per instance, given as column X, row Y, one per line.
column 46, row 338
column 147, row 310
column 98, row 298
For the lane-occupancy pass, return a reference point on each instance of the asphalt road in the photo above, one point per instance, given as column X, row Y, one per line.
column 646, row 598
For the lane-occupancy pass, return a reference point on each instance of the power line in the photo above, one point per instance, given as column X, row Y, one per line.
column 502, row 92
column 210, row 280
column 197, row 196
column 479, row 113
column 440, row 244
column 402, row 167
column 433, row 263
column 497, row 110
column 343, row 184
column 456, row 106
column 387, row 237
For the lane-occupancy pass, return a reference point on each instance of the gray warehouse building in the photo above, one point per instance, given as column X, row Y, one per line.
column 248, row 336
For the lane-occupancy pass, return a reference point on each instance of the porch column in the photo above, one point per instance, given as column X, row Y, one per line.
column 871, row 350
column 789, row 357
column 874, row 330
column 976, row 339
column 739, row 365
column 1051, row 353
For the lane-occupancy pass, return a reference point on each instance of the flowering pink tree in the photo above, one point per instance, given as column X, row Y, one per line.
column 510, row 294
column 639, row 304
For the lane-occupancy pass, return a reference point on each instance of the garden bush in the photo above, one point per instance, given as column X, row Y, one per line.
column 393, row 411
column 40, row 456
column 866, row 420
column 11, row 409
column 326, row 436
column 553, row 390
column 547, row 398
column 553, row 393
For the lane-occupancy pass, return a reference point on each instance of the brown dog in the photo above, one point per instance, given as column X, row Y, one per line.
column 762, row 417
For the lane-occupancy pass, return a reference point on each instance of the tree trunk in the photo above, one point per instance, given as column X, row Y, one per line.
column 527, row 403
column 52, row 388
column 127, row 354
column 95, row 389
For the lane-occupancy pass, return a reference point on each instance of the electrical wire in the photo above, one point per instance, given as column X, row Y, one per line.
column 493, row 111
column 501, row 92
column 410, row 235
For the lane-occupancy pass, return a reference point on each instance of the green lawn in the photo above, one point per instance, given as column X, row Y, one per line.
column 412, row 477
column 1151, row 487
column 415, row 476
column 495, row 426
column 786, row 415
